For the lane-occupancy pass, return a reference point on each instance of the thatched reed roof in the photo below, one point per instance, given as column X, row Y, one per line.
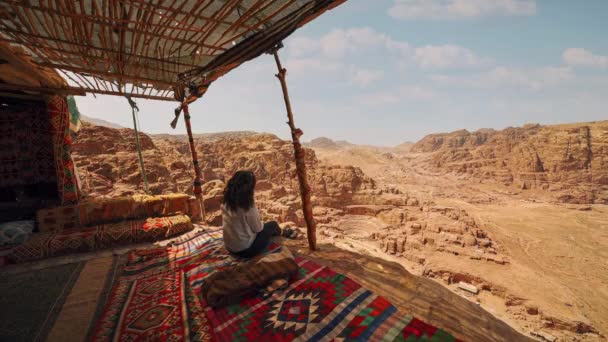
column 144, row 48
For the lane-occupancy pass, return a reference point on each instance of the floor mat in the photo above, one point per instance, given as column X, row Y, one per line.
column 156, row 296
column 153, row 298
column 319, row 305
column 31, row 301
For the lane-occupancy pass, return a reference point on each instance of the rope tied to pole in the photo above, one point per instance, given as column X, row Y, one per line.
column 135, row 109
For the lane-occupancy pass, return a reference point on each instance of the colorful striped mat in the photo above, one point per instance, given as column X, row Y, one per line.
column 157, row 297
column 319, row 305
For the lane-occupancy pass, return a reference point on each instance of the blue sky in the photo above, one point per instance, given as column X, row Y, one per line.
column 388, row 71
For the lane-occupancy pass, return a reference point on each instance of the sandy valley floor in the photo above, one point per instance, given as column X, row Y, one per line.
column 556, row 278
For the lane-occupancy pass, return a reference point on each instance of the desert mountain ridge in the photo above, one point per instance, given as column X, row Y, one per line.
column 567, row 160
column 209, row 136
column 324, row 142
column 100, row 122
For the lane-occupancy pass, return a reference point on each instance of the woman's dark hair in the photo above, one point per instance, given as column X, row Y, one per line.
column 238, row 193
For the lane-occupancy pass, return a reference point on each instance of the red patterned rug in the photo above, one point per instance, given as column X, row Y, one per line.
column 156, row 298
column 152, row 298
column 319, row 305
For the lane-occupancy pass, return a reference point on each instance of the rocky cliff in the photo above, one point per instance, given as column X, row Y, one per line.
column 568, row 161
column 107, row 162
column 347, row 203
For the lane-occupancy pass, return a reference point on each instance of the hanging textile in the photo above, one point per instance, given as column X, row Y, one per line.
column 75, row 122
column 57, row 108
column 26, row 155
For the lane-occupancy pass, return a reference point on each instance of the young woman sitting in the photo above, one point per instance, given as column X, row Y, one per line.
column 244, row 233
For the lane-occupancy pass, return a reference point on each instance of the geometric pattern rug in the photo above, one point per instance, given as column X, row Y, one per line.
column 319, row 305
column 156, row 297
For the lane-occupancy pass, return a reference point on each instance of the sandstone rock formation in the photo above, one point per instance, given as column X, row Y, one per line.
column 407, row 226
column 107, row 162
column 568, row 161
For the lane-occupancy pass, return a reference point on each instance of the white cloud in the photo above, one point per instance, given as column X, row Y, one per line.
column 364, row 77
column 446, row 56
column 582, row 57
column 339, row 42
column 378, row 98
column 405, row 92
column 300, row 45
column 531, row 78
column 303, row 66
column 459, row 9
column 417, row 92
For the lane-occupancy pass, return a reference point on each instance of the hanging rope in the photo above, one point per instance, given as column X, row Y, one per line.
column 134, row 108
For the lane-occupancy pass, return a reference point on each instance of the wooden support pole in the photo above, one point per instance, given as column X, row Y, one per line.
column 138, row 145
column 198, row 192
column 296, row 133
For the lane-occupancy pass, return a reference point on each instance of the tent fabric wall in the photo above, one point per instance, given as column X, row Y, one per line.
column 59, row 116
column 26, row 155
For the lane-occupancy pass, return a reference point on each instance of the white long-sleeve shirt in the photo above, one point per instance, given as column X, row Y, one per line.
column 240, row 227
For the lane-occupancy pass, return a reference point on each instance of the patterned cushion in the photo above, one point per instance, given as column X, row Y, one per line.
column 163, row 227
column 194, row 210
column 106, row 210
column 97, row 211
column 73, row 241
column 49, row 244
column 56, row 219
column 37, row 247
column 15, row 232
column 174, row 204
column 116, row 234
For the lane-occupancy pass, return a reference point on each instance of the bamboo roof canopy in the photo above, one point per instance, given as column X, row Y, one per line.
column 156, row 49
column 146, row 49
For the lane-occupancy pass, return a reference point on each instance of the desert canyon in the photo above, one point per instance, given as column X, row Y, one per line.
column 515, row 220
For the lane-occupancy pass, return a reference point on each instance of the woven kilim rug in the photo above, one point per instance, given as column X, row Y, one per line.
column 156, row 298
column 319, row 305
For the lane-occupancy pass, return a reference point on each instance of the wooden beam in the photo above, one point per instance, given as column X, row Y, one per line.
column 111, row 75
column 30, row 71
column 43, row 90
column 299, row 154
column 20, row 96
column 198, row 191
column 80, row 91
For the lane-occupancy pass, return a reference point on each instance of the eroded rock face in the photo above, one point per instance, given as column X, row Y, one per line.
column 568, row 161
column 402, row 224
column 414, row 232
column 108, row 164
column 107, row 161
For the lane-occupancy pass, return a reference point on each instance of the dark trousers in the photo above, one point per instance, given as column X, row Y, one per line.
column 262, row 240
